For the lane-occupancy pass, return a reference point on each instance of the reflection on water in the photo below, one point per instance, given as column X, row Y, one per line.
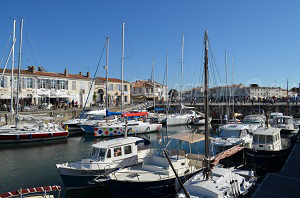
column 25, row 165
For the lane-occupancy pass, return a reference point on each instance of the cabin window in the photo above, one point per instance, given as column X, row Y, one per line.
column 94, row 153
column 262, row 139
column 117, row 151
column 108, row 154
column 269, row 139
column 127, row 150
column 102, row 153
column 255, row 138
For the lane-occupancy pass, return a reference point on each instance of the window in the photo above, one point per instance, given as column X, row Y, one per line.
column 110, row 87
column 29, row 82
column 73, row 85
column 108, row 154
column 117, row 151
column 269, row 139
column 127, row 150
column 125, row 87
column 262, row 139
column 94, row 153
column 52, row 84
column 62, row 84
column 102, row 153
column 43, row 83
column 126, row 99
column 147, row 90
column 81, row 85
column 118, row 87
column 2, row 82
column 255, row 138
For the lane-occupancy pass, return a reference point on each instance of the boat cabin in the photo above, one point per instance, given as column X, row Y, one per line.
column 274, row 115
column 107, row 152
column 254, row 119
column 269, row 140
column 285, row 122
column 233, row 131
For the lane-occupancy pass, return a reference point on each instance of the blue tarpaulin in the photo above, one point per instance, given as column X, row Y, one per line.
column 112, row 113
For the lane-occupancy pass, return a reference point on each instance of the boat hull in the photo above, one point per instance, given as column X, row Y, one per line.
column 79, row 179
column 270, row 161
column 162, row 188
column 29, row 137
column 131, row 130
column 89, row 129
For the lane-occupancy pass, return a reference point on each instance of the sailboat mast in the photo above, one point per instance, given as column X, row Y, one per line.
column 207, row 171
column 287, row 97
column 153, row 84
column 19, row 68
column 167, row 108
column 122, row 67
column 233, row 97
column 12, row 72
column 181, row 74
column 227, row 102
column 106, row 68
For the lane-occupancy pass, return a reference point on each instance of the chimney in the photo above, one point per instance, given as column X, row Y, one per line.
column 32, row 69
column 80, row 73
column 66, row 72
column 88, row 74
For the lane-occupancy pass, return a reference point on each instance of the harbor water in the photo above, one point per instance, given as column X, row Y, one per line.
column 25, row 165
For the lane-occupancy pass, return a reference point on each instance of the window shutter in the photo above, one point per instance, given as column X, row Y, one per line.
column 38, row 83
column 58, row 84
column 34, row 83
column 48, row 83
column 5, row 81
column 24, row 84
column 67, row 85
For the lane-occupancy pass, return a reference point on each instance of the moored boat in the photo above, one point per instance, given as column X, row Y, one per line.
column 105, row 157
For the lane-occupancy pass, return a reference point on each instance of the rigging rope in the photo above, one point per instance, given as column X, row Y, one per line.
column 33, row 49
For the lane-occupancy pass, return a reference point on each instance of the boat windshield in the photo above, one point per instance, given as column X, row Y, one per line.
column 82, row 116
column 98, row 153
column 230, row 133
column 95, row 117
column 252, row 120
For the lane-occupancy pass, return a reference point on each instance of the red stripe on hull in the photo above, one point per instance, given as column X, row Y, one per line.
column 41, row 135
column 8, row 137
column 61, row 134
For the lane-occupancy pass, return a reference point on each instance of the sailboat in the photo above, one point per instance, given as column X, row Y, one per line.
column 28, row 132
column 181, row 118
column 216, row 182
column 133, row 126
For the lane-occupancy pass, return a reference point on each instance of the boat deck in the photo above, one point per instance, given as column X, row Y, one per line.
column 286, row 183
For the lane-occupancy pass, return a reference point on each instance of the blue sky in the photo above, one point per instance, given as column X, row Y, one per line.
column 263, row 37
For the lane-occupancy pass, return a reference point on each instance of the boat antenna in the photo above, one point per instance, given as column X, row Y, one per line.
column 153, row 85
column 287, row 97
column 181, row 74
column 207, row 169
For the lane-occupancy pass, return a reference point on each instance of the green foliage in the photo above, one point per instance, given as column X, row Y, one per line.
column 253, row 85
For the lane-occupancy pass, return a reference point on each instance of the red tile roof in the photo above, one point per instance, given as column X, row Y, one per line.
column 100, row 80
column 51, row 74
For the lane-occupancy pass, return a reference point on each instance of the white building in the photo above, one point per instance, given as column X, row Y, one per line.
column 38, row 87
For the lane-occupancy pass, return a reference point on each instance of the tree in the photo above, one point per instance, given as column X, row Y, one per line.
column 295, row 89
column 94, row 97
column 253, row 85
column 173, row 93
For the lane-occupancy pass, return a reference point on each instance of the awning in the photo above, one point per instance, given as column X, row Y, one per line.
column 4, row 96
column 188, row 137
column 134, row 114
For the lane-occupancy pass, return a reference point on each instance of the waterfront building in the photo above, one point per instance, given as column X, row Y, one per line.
column 38, row 87
column 142, row 91
column 114, row 91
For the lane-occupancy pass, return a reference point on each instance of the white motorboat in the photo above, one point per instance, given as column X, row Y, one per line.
column 199, row 118
column 93, row 121
column 273, row 115
column 256, row 121
column 73, row 124
column 289, row 128
column 268, row 151
column 106, row 157
column 231, row 135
